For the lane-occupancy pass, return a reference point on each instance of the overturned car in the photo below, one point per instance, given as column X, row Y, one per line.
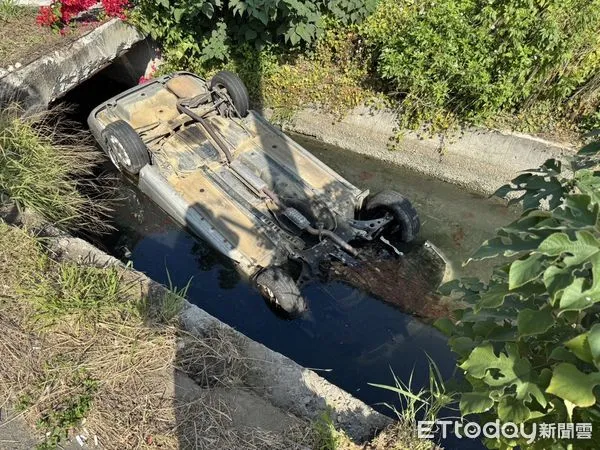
column 221, row 170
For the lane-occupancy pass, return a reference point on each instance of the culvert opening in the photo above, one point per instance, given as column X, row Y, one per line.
column 74, row 108
column 82, row 99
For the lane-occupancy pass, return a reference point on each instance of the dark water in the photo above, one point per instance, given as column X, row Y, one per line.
column 350, row 337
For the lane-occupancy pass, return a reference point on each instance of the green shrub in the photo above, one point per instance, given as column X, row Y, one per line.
column 204, row 31
column 327, row 77
column 471, row 59
column 528, row 341
column 209, row 30
column 349, row 11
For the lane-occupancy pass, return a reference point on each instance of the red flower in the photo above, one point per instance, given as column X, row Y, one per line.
column 61, row 12
column 115, row 8
column 46, row 16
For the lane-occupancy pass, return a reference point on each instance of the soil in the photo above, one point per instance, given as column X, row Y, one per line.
column 22, row 40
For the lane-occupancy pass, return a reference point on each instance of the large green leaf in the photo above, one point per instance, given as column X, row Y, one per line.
column 576, row 298
column 585, row 247
column 588, row 181
column 506, row 369
column 539, row 187
column 557, row 279
column 520, row 236
column 562, row 354
column 463, row 286
column 506, row 245
column 461, row 345
column 530, row 322
column 525, row 270
column 578, row 213
column 570, row 384
column 512, row 410
column 493, row 297
column 445, row 325
column 580, row 347
column 475, row 402
column 594, row 343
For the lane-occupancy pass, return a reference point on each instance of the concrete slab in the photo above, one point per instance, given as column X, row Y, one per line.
column 41, row 82
column 480, row 160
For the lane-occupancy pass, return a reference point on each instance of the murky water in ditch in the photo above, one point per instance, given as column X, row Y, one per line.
column 349, row 337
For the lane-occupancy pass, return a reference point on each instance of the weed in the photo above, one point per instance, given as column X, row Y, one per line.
column 424, row 404
column 80, row 295
column 326, row 436
column 10, row 9
column 165, row 309
column 69, row 412
column 46, row 164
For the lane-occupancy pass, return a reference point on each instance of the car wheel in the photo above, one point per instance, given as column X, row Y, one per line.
column 405, row 215
column 125, row 148
column 279, row 289
column 236, row 89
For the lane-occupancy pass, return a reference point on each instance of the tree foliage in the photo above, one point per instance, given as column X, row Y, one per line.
column 209, row 30
column 471, row 59
column 528, row 341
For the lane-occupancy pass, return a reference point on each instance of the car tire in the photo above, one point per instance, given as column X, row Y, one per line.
column 405, row 215
column 281, row 291
column 236, row 89
column 125, row 148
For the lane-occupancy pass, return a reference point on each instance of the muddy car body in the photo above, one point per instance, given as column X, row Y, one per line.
column 232, row 178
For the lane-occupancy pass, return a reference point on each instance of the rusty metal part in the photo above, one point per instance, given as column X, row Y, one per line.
column 306, row 224
column 207, row 127
column 370, row 228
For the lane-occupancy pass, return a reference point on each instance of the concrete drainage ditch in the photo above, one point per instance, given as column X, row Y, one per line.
column 115, row 55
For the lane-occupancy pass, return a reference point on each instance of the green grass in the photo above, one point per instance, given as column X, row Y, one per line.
column 81, row 295
column 165, row 309
column 423, row 404
column 10, row 9
column 326, row 436
column 46, row 165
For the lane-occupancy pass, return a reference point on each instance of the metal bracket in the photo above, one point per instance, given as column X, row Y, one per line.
column 368, row 229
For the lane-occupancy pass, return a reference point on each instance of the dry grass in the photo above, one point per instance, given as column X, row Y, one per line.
column 400, row 436
column 47, row 164
column 75, row 361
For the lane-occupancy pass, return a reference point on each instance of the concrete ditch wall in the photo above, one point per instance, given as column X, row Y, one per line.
column 273, row 376
column 38, row 84
column 480, row 160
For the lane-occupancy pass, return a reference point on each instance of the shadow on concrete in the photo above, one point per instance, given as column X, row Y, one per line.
column 22, row 93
